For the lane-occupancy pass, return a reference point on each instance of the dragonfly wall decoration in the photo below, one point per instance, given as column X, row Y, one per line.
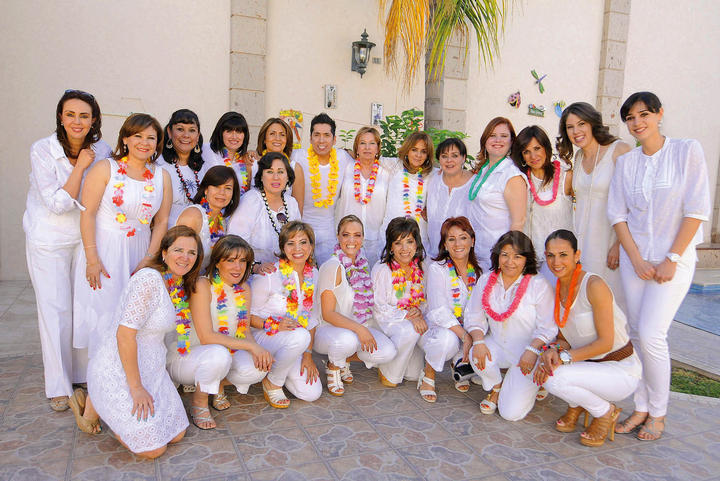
column 538, row 80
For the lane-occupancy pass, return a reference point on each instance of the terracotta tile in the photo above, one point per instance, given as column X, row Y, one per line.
column 550, row 472
column 448, row 460
column 510, row 449
column 383, row 465
column 36, row 442
column 327, row 409
column 254, row 418
column 354, row 437
column 200, row 460
column 275, row 449
column 410, row 428
column 378, row 403
column 122, row 465
column 313, row 471
column 466, row 421
column 33, row 471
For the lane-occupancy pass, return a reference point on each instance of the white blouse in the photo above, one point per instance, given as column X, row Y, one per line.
column 386, row 312
column 441, row 306
column 443, row 203
column 543, row 220
column 52, row 216
column 533, row 318
column 343, row 292
column 252, row 222
column 212, row 158
column 270, row 296
column 652, row 193
column 189, row 182
column 204, row 235
column 396, row 205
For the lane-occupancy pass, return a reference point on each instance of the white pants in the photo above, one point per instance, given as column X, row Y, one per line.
column 243, row 372
column 651, row 309
column 204, row 366
column 403, row 336
column 287, row 348
column 299, row 387
column 594, row 385
column 339, row 344
column 518, row 391
column 52, row 270
column 440, row 345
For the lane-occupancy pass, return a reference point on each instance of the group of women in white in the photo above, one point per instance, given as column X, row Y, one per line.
column 169, row 261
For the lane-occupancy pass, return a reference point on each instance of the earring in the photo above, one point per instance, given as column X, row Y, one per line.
column 197, row 149
column 163, row 258
column 125, row 149
column 524, row 164
column 168, row 144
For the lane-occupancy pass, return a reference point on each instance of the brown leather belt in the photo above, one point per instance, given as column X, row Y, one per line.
column 619, row 355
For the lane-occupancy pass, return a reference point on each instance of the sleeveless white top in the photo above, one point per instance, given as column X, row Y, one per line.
column 204, row 234
column 231, row 311
column 542, row 220
column 343, row 292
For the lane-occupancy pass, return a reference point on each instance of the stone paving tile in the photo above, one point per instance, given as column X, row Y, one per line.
column 275, row 449
column 327, row 409
column 37, row 441
column 409, row 428
column 380, row 466
column 312, row 471
column 45, row 471
column 510, row 449
column 91, row 445
column 448, row 460
column 200, row 460
column 351, row 438
column 466, row 420
column 255, row 418
column 550, row 472
column 122, row 466
column 387, row 401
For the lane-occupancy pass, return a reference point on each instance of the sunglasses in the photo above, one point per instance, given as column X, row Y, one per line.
column 282, row 218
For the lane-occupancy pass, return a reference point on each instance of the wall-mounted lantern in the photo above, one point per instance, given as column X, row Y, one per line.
column 361, row 54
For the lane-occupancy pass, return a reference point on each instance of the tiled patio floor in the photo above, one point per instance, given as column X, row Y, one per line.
column 371, row 433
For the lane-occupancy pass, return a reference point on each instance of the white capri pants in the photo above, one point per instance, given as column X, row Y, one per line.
column 243, row 372
column 52, row 272
column 594, row 385
column 204, row 366
column 339, row 344
column 440, row 345
column 403, row 336
column 518, row 391
column 651, row 309
column 298, row 386
column 287, row 348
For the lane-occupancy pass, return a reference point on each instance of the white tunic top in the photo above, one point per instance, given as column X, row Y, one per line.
column 533, row 318
column 386, row 312
column 52, row 216
column 441, row 305
column 179, row 187
column 343, row 292
column 443, row 203
column 212, row 158
column 542, row 220
column 204, row 235
column 488, row 213
column 652, row 193
column 251, row 222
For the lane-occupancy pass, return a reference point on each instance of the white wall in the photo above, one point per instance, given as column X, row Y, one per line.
column 134, row 56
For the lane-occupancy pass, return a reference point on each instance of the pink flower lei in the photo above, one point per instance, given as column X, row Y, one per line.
column 555, row 185
column 358, row 276
column 417, row 292
column 501, row 317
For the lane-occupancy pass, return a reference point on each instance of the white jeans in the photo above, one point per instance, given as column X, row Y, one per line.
column 204, row 366
column 651, row 309
column 299, row 387
column 440, row 345
column 594, row 385
column 518, row 391
column 287, row 348
column 339, row 344
column 52, row 272
column 243, row 372
column 403, row 336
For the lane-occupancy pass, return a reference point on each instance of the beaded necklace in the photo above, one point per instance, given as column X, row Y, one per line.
column 474, row 191
column 241, row 312
column 571, row 292
column 417, row 294
column 283, row 220
column 184, row 185
column 315, row 178
column 178, row 296
column 501, row 317
column 244, row 179
column 118, row 182
column 555, row 185
column 216, row 225
column 358, row 276
column 308, row 287
column 419, row 199
column 371, row 182
column 455, row 287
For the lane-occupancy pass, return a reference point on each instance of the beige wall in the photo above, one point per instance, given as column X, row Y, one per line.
column 134, row 56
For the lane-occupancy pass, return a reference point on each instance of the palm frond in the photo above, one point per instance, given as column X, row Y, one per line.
column 407, row 24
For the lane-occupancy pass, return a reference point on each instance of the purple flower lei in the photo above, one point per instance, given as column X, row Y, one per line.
column 358, row 275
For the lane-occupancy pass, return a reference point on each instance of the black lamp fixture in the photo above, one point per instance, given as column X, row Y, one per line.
column 361, row 53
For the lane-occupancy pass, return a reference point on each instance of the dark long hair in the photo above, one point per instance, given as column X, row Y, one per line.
column 216, row 176
column 463, row 223
column 522, row 244
column 398, row 228
column 563, row 234
column 184, row 116
column 230, row 122
column 263, row 133
column 587, row 113
column 521, row 142
column 92, row 136
column 225, row 248
column 158, row 263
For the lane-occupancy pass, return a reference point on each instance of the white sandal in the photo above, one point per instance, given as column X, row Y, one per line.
column 463, row 386
column 426, row 392
column 276, row 397
column 541, row 394
column 334, row 382
column 487, row 406
column 346, row 375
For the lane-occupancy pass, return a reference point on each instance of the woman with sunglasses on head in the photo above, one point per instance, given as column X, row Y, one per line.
column 228, row 146
column 51, row 222
column 181, row 158
column 659, row 198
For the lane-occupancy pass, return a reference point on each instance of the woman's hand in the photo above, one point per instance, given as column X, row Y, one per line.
column 251, row 156
column 416, row 319
column 367, row 341
column 143, row 403
column 527, row 362
column 264, row 268
column 262, row 358
column 466, row 347
column 480, row 352
column 644, row 269
column 287, row 324
column 307, row 365
column 550, row 360
column 541, row 374
column 85, row 159
column 93, row 272
column 665, row 271
column 145, row 262
column 613, row 256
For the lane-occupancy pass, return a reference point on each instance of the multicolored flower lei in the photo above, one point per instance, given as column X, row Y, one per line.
column 118, row 182
column 419, row 199
column 182, row 311
column 241, row 312
column 358, row 276
column 555, row 185
column 371, row 182
column 216, row 225
column 244, row 179
column 417, row 291
column 308, row 288
column 513, row 305
column 455, row 287
column 315, row 178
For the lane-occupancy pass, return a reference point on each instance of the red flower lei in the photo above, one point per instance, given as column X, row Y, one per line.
column 555, row 186
column 417, row 294
column 118, row 182
column 513, row 305
column 371, row 182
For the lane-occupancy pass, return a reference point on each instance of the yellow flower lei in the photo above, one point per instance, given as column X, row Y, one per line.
column 315, row 178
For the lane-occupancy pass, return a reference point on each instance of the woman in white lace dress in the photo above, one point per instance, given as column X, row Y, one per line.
column 127, row 381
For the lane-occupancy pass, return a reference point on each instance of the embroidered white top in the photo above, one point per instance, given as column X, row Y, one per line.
column 386, row 312
column 441, row 306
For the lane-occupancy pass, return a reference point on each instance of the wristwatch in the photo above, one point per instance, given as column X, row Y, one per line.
column 565, row 357
column 673, row 257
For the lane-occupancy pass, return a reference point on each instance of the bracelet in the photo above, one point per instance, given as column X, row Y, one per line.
column 90, row 246
column 481, row 341
column 547, row 347
column 532, row 349
column 271, row 326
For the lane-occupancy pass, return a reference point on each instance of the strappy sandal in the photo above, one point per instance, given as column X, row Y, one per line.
column 188, row 388
column 221, row 401
column 276, row 397
column 201, row 415
column 631, row 423
column 487, row 406
column 566, row 423
column 427, row 394
column 334, row 382
column 649, row 428
column 601, row 428
column 541, row 394
column 463, row 386
column 383, row 380
column 59, row 403
column 76, row 402
column 346, row 375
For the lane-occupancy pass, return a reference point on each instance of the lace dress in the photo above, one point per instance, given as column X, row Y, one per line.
column 145, row 306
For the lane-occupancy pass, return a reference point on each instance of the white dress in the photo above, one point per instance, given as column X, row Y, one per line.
column 443, row 203
column 213, row 158
column 146, row 307
column 119, row 254
column 252, row 222
column 593, row 230
column 181, row 188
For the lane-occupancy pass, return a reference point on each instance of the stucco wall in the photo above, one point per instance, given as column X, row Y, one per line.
column 134, row 56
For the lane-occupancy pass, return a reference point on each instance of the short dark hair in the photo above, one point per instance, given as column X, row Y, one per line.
column 463, row 223
column 524, row 138
column 398, row 228
column 409, row 143
column 215, row 176
column 225, row 248
column 322, row 118
column 265, row 163
column 651, row 101
column 563, row 234
column 290, row 230
column 93, row 135
column 449, row 142
column 158, row 263
column 230, row 122
column 184, row 116
column 522, row 244
column 587, row 113
column 137, row 123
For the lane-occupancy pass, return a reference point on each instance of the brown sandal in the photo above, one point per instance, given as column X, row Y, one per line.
column 569, row 419
column 59, row 404
column 600, row 428
column 77, row 405
column 631, row 423
column 384, row 381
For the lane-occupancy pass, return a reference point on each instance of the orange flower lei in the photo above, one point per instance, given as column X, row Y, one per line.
column 315, row 178
column 571, row 291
